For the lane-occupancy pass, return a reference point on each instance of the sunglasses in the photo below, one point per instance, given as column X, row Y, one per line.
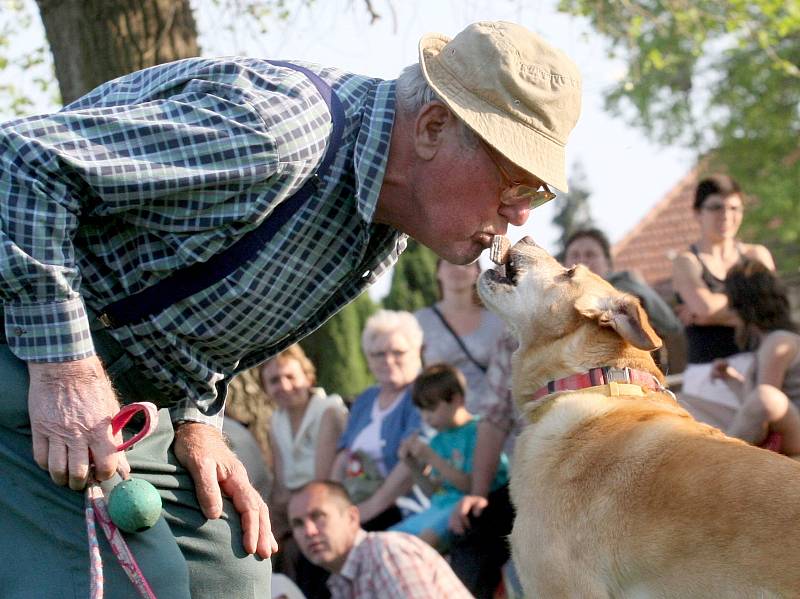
column 515, row 191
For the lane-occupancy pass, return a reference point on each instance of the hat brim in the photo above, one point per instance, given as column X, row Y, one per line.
column 523, row 145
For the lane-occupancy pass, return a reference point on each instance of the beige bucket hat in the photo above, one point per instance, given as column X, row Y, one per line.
column 517, row 92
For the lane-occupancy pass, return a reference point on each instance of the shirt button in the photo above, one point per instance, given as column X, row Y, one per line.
column 19, row 331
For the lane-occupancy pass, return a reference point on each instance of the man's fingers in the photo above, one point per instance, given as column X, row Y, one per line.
column 256, row 533
column 267, row 545
column 123, row 468
column 104, row 454
column 250, row 526
column 57, row 461
column 78, row 458
column 41, row 449
column 204, row 474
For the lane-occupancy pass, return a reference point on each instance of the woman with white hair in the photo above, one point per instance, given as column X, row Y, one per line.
column 381, row 418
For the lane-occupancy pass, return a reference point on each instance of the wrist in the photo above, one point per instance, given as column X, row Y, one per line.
column 479, row 490
column 192, row 428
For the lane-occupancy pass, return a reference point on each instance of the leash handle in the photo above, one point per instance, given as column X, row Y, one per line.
column 97, row 512
column 129, row 411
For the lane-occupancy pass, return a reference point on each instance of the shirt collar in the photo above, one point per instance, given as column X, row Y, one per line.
column 351, row 564
column 372, row 146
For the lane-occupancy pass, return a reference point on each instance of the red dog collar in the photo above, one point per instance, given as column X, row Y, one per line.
column 602, row 375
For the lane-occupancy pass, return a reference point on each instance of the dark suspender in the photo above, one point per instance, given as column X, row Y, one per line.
column 201, row 275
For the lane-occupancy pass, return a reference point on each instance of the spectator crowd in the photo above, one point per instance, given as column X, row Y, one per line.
column 403, row 491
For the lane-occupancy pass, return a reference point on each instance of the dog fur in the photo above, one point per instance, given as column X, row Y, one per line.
column 629, row 496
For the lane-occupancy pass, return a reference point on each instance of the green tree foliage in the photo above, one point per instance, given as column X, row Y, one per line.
column 414, row 281
column 573, row 207
column 17, row 16
column 335, row 349
column 722, row 76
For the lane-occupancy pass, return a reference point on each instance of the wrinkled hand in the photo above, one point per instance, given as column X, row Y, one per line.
column 71, row 405
column 459, row 517
column 215, row 470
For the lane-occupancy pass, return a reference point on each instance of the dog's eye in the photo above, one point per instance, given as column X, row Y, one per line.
column 570, row 272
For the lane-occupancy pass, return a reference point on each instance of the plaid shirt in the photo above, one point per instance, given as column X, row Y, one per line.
column 395, row 565
column 165, row 167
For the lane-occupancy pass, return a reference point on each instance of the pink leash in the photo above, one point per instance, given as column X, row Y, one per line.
column 96, row 509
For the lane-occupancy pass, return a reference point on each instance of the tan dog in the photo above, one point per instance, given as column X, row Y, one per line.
column 627, row 495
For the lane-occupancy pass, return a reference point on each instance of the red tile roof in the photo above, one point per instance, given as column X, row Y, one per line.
column 667, row 229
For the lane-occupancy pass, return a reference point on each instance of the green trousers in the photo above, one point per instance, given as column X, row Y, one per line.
column 42, row 527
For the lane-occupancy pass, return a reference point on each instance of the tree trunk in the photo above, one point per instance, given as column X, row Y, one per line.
column 93, row 41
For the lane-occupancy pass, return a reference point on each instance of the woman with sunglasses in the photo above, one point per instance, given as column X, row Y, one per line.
column 699, row 280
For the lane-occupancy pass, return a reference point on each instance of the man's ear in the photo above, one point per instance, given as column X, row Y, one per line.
column 353, row 516
column 431, row 121
column 624, row 314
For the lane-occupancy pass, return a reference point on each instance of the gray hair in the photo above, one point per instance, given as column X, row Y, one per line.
column 414, row 92
column 388, row 322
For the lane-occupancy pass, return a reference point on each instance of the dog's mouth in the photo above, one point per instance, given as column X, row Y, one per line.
column 507, row 273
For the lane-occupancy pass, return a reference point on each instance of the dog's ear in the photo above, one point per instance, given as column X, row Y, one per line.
column 624, row 314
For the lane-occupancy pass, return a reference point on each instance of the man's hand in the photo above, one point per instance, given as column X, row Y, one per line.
column 71, row 405
column 469, row 504
column 215, row 470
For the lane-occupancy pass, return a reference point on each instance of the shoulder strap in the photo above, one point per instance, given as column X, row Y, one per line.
column 201, row 275
column 458, row 339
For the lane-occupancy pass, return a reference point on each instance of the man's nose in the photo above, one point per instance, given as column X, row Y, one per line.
column 310, row 529
column 517, row 213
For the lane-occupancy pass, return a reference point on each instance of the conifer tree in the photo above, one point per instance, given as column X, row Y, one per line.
column 335, row 349
column 414, row 281
column 574, row 210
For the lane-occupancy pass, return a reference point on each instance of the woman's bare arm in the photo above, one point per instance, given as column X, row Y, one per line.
column 330, row 429
column 701, row 305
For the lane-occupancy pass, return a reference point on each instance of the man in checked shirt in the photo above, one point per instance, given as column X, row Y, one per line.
column 364, row 565
column 127, row 223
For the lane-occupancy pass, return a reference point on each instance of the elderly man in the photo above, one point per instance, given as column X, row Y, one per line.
column 394, row 565
column 188, row 221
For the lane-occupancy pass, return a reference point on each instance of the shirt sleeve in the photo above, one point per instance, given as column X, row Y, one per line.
column 183, row 163
column 186, row 411
column 408, row 568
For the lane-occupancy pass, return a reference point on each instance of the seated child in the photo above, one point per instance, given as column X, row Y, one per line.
column 438, row 392
column 770, row 391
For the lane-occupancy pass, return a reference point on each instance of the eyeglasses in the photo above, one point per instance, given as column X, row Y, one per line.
column 719, row 208
column 515, row 191
column 383, row 354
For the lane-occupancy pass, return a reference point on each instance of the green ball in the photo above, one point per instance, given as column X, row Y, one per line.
column 134, row 505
